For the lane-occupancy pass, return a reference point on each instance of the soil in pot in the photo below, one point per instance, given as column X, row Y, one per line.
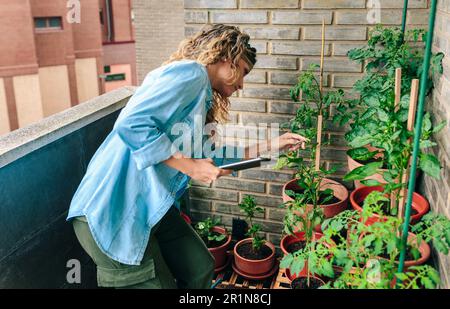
column 302, row 283
column 295, row 246
column 333, row 200
column 246, row 251
column 213, row 243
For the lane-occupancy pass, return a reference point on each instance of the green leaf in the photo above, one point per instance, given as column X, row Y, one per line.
column 401, row 276
column 364, row 171
column 286, row 261
column 360, row 141
column 430, row 165
column 427, row 283
column 371, row 182
column 382, row 115
column 439, row 127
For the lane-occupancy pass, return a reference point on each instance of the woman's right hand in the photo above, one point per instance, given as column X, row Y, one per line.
column 205, row 171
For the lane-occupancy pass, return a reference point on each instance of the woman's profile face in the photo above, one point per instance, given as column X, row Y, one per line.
column 221, row 80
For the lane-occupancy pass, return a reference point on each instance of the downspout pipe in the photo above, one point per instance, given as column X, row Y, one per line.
column 417, row 133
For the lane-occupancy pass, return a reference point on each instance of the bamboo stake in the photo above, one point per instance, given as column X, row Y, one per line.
column 319, row 118
column 398, row 88
column 398, row 95
column 410, row 127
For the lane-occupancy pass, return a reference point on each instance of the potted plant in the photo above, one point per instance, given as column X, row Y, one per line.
column 310, row 183
column 369, row 256
column 253, row 256
column 387, row 49
column 393, row 137
column 216, row 239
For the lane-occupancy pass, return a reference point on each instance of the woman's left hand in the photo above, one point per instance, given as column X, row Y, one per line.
column 290, row 141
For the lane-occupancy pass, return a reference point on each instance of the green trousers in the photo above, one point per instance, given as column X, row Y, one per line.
column 175, row 257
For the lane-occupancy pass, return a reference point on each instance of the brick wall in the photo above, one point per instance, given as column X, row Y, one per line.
column 438, row 191
column 159, row 27
column 287, row 35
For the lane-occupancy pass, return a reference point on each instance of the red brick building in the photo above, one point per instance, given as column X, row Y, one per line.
column 49, row 61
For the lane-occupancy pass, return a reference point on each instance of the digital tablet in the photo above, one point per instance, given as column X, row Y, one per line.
column 243, row 165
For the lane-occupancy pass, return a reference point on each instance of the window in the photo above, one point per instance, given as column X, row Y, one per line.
column 48, row 23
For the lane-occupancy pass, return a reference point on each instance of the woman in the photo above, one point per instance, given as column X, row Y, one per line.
column 124, row 212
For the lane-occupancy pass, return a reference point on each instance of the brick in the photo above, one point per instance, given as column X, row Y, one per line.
column 284, row 107
column 191, row 30
column 269, row 201
column 210, row 4
column 341, row 49
column 417, row 17
column 302, row 48
column 194, row 17
column 341, row 33
column 387, row 17
column 266, row 93
column 283, row 78
column 261, row 47
column 232, row 209
column 200, row 205
column 240, row 184
column 270, row 226
column 273, row 33
column 266, row 175
column 268, row 4
column 276, row 214
column 272, row 62
column 275, row 189
column 256, row 76
column 207, row 193
column 240, row 17
column 246, row 131
column 262, row 118
column 345, row 81
column 398, row 4
column 334, row 64
column 334, row 4
column 300, row 18
column 198, row 183
column 238, row 104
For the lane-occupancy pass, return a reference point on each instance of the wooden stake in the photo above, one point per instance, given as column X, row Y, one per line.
column 398, row 88
column 398, row 95
column 410, row 127
column 319, row 118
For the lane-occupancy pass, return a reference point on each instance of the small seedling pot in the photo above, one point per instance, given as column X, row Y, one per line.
column 254, row 267
column 220, row 253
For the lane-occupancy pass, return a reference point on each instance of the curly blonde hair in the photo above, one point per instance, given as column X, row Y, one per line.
column 210, row 45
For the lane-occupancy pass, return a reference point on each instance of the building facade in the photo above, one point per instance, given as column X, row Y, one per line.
column 55, row 54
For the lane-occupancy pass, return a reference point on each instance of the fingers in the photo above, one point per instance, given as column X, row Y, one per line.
column 297, row 137
column 225, row 172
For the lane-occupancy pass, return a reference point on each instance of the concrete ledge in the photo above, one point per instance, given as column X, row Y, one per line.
column 25, row 140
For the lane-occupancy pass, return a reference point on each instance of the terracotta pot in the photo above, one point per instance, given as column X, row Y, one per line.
column 293, row 277
column 419, row 204
column 254, row 267
column 330, row 210
column 297, row 237
column 424, row 249
column 220, row 253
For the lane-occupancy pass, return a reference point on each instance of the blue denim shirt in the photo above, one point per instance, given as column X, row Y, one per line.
column 127, row 188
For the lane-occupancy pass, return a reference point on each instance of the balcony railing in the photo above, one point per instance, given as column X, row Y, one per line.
column 41, row 166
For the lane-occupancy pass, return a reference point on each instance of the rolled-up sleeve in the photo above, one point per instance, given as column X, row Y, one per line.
column 153, row 107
